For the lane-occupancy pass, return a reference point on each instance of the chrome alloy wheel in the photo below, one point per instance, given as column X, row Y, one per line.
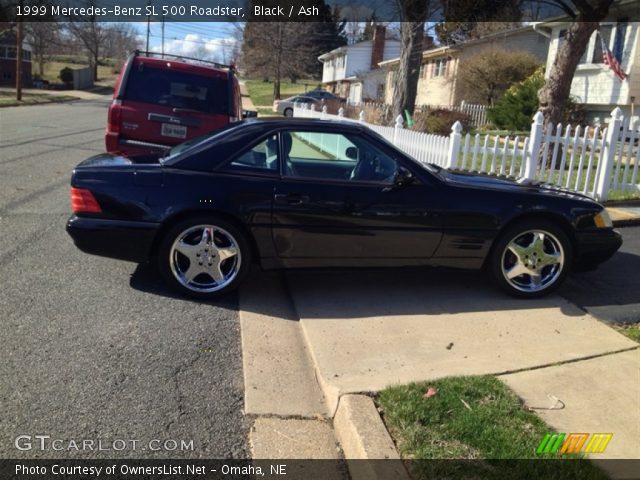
column 205, row 258
column 532, row 261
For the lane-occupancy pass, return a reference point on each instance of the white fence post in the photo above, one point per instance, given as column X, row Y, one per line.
column 605, row 166
column 361, row 116
column 535, row 140
column 454, row 145
column 396, row 128
column 341, row 112
column 324, row 112
column 313, row 107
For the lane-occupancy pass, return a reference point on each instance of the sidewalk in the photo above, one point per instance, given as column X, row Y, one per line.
column 98, row 93
column 625, row 214
column 247, row 103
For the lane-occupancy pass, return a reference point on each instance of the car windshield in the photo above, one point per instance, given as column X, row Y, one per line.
column 178, row 149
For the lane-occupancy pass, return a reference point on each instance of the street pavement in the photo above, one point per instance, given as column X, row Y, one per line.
column 94, row 348
column 612, row 292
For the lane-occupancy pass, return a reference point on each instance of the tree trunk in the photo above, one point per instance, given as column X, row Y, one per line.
column 406, row 81
column 95, row 66
column 553, row 96
column 413, row 16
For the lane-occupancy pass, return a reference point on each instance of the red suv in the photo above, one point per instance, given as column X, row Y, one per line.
column 159, row 102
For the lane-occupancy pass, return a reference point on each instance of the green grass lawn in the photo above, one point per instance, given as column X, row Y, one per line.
column 631, row 331
column 471, row 418
column 261, row 92
column 8, row 99
column 52, row 70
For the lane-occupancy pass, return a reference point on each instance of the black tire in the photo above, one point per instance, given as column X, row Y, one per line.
column 288, row 112
column 227, row 237
column 552, row 245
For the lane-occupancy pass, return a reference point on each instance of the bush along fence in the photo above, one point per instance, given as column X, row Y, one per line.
column 477, row 113
column 587, row 160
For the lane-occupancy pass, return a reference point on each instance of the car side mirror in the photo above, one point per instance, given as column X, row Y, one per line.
column 249, row 113
column 403, row 177
column 352, row 153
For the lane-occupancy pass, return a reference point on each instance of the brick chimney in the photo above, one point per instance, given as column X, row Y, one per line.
column 427, row 42
column 377, row 49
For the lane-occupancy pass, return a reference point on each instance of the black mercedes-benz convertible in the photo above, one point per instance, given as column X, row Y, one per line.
column 291, row 193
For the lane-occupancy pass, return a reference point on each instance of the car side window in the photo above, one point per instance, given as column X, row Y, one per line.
column 261, row 158
column 336, row 156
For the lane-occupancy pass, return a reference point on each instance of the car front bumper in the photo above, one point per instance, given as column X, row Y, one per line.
column 119, row 239
column 595, row 247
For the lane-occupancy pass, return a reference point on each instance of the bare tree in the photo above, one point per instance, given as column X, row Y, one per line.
column 43, row 37
column 92, row 35
column 120, row 39
column 487, row 75
column 413, row 15
column 586, row 17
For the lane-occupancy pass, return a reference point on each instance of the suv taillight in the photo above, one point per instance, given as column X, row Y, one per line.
column 115, row 116
column 83, row 201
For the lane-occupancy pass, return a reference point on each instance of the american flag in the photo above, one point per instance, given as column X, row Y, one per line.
column 609, row 58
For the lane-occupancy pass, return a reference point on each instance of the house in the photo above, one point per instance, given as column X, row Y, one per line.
column 352, row 71
column 438, row 81
column 594, row 84
column 8, row 54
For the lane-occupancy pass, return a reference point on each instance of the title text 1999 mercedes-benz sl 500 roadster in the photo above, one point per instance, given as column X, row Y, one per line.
column 290, row 193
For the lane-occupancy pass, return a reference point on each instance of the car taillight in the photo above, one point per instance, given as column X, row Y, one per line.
column 83, row 201
column 115, row 116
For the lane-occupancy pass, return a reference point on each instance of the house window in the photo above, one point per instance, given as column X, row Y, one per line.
column 11, row 52
column 423, row 70
column 439, row 67
column 605, row 33
column 618, row 39
column 3, row 52
column 613, row 36
column 26, row 55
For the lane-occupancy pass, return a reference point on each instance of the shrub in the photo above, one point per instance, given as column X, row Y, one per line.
column 486, row 76
column 515, row 109
column 375, row 113
column 440, row 121
column 66, row 75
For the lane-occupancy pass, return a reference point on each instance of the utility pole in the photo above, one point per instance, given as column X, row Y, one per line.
column 148, row 23
column 19, row 58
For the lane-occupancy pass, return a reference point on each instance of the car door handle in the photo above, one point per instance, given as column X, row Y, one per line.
column 291, row 198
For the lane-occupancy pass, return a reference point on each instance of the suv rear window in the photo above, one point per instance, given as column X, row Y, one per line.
column 177, row 89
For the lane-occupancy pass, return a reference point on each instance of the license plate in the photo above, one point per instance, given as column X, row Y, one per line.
column 175, row 131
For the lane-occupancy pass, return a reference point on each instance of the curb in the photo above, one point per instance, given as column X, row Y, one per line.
column 631, row 222
column 363, row 436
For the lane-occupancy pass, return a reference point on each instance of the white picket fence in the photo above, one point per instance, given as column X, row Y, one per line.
column 477, row 113
column 586, row 160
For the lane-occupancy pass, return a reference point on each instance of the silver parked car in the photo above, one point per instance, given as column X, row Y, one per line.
column 285, row 106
